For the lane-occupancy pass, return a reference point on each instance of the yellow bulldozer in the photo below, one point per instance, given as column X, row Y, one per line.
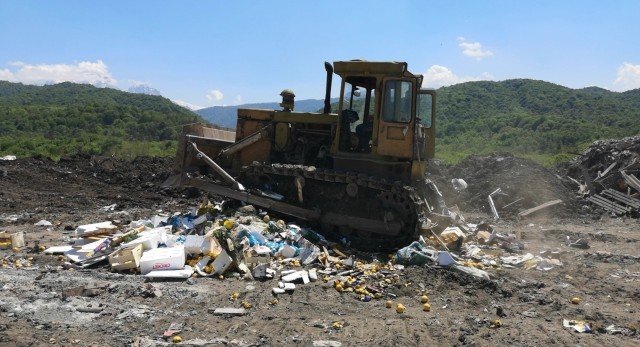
column 357, row 172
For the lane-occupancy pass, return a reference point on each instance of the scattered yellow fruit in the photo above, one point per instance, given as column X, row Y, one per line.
column 337, row 325
column 229, row 224
column 575, row 300
column 400, row 308
column 496, row 323
column 389, row 304
column 234, row 296
column 424, row 299
column 247, row 305
column 176, row 339
column 426, row 307
column 273, row 302
column 339, row 287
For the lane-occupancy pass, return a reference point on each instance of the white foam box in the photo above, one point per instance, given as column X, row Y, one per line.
column 193, row 244
column 183, row 273
column 222, row 263
column 149, row 239
column 168, row 258
column 95, row 229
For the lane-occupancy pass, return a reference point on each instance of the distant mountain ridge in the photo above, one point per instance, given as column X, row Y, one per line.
column 143, row 89
column 225, row 116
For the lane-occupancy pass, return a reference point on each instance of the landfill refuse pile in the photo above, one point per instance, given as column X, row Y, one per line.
column 212, row 241
column 515, row 185
column 606, row 175
column 84, row 261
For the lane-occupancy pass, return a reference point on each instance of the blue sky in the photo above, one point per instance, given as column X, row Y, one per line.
column 213, row 52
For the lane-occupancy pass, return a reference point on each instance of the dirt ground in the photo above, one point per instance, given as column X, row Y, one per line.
column 532, row 303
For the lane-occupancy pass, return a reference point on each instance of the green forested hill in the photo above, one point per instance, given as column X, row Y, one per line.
column 68, row 118
column 530, row 117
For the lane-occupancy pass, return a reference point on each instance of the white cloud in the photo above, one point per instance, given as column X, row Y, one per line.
column 6, row 75
column 438, row 76
column 190, row 106
column 238, row 99
column 96, row 73
column 473, row 49
column 628, row 77
column 214, row 95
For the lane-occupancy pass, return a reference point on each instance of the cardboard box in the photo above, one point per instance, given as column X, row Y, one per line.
column 15, row 240
column 5, row 240
column 257, row 255
column 168, row 258
column 211, row 247
column 125, row 259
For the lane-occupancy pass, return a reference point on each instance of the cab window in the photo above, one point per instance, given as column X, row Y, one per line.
column 397, row 101
column 425, row 104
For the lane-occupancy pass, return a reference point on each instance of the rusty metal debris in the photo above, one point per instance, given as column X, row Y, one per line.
column 609, row 170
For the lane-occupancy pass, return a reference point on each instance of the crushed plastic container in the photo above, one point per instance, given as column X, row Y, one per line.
column 416, row 254
column 255, row 238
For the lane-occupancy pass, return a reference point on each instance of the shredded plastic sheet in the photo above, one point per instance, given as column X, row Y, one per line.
column 415, row 254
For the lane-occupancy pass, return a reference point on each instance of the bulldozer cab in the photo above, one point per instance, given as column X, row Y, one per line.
column 383, row 114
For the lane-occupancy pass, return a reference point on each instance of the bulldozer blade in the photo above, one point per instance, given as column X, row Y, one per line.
column 172, row 181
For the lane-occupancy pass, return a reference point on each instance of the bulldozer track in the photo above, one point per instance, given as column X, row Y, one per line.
column 396, row 201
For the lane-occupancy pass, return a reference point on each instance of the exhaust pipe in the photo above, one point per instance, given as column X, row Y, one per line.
column 327, row 95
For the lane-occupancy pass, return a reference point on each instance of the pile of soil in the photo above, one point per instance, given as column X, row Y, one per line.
column 80, row 182
column 519, row 179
